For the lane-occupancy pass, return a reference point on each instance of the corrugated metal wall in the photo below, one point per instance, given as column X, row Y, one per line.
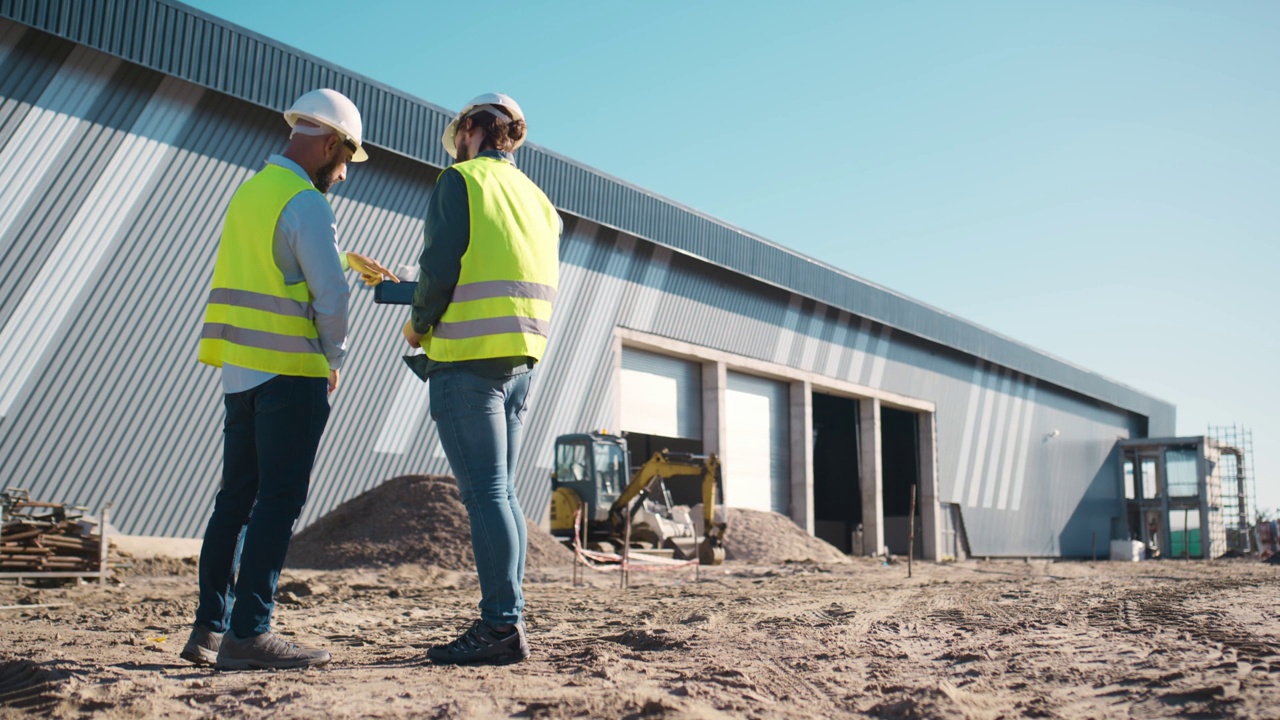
column 191, row 45
column 118, row 179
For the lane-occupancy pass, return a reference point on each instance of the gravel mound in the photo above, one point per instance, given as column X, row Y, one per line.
column 409, row 519
column 160, row 566
column 755, row 536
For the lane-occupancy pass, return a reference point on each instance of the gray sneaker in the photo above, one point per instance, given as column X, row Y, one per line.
column 202, row 646
column 267, row 651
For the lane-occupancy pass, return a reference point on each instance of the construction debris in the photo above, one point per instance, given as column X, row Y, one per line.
column 50, row 539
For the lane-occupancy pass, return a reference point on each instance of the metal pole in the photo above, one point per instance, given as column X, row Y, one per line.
column 1186, row 535
column 626, row 551
column 911, row 530
column 577, row 544
column 104, row 545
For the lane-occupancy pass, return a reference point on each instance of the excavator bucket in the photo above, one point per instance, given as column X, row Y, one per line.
column 710, row 552
column 683, row 548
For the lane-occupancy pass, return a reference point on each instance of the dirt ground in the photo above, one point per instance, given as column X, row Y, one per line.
column 797, row 640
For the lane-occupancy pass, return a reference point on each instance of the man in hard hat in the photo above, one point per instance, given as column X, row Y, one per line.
column 481, row 313
column 276, row 323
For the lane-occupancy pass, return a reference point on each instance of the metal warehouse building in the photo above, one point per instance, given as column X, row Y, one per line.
column 126, row 125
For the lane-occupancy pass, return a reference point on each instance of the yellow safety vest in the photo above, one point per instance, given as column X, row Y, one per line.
column 254, row 320
column 501, row 306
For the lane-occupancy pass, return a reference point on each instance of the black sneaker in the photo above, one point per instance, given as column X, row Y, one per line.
column 483, row 644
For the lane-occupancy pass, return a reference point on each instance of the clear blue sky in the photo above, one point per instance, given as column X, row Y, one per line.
column 1100, row 180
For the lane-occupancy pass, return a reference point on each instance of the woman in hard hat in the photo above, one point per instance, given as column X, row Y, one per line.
column 481, row 313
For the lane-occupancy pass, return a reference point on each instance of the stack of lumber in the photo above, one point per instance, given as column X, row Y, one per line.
column 47, row 537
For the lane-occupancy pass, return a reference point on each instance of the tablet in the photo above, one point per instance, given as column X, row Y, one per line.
column 393, row 293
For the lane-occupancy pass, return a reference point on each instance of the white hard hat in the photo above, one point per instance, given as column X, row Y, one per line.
column 487, row 102
column 334, row 111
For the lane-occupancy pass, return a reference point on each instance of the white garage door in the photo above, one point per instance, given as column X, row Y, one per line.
column 757, row 462
column 661, row 395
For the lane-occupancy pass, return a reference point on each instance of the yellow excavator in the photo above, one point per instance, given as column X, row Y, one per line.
column 671, row 499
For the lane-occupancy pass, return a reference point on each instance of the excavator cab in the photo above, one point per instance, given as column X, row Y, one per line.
column 591, row 471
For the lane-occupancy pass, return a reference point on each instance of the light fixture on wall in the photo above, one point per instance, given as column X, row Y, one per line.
column 1052, row 434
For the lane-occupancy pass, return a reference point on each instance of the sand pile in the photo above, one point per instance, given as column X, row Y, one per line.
column 158, row 566
column 760, row 537
column 409, row 519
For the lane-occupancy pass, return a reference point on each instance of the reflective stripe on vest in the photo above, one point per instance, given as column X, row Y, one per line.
column 503, row 288
column 253, row 319
column 492, row 326
column 260, row 339
column 260, row 301
column 501, row 306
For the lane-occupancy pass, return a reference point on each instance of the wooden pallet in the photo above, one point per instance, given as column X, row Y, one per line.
column 46, row 540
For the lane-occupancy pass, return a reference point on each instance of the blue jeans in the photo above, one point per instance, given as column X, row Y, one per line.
column 480, row 421
column 270, row 438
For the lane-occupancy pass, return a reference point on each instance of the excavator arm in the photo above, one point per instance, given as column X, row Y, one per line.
column 662, row 465
column 711, row 549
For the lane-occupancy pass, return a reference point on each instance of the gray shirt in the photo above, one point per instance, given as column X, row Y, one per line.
column 305, row 248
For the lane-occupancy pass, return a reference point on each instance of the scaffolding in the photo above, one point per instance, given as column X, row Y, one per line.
column 1239, row 487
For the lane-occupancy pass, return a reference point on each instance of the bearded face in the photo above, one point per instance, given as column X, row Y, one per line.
column 331, row 172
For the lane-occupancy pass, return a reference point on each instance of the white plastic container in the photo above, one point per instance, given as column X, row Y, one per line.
column 1126, row 550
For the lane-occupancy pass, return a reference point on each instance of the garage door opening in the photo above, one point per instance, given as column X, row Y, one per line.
column 837, row 500
column 661, row 408
column 757, row 453
column 642, row 447
column 900, row 449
